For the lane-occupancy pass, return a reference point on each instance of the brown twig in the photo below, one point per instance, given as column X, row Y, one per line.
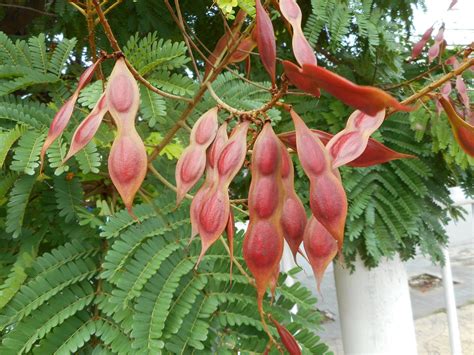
column 32, row 9
column 419, row 76
column 236, row 262
column 436, row 84
column 186, row 37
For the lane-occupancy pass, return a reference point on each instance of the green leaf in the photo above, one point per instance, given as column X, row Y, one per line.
column 69, row 197
column 89, row 159
column 153, row 106
column 17, row 203
column 26, row 158
column 7, row 139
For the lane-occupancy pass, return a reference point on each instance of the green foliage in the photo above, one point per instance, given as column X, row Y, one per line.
column 24, row 64
column 80, row 275
column 147, row 299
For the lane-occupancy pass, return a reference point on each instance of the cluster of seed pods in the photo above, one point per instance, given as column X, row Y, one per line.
column 263, row 242
column 210, row 209
column 192, row 162
column 127, row 161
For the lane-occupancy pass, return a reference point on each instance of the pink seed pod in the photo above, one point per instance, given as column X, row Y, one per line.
column 301, row 48
column 127, row 160
column 293, row 215
column 62, row 118
column 352, row 141
column 313, row 157
column 233, row 153
column 434, row 50
column 446, row 89
column 213, row 218
column 192, row 162
column 418, row 47
column 327, row 196
column 452, row 61
column 266, row 40
column 214, row 206
column 320, row 248
column 128, row 165
column 328, row 203
column 88, row 127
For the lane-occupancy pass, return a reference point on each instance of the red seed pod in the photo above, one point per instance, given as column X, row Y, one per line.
column 88, row 127
column 463, row 131
column 263, row 242
column 301, row 80
column 375, row 153
column 434, row 50
column 192, row 162
column 243, row 50
column 320, row 247
column 352, row 141
column 327, row 196
column 62, row 118
column 287, row 338
column 262, row 250
column 265, row 40
column 127, row 160
column 293, row 215
column 301, row 48
column 451, row 5
column 368, row 99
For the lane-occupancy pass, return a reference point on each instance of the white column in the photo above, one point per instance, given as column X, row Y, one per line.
column 375, row 309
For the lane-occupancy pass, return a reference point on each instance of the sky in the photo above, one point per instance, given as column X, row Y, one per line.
column 459, row 20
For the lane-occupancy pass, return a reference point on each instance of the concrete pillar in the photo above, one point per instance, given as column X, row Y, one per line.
column 375, row 309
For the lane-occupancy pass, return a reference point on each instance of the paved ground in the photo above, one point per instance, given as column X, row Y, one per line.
column 428, row 303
